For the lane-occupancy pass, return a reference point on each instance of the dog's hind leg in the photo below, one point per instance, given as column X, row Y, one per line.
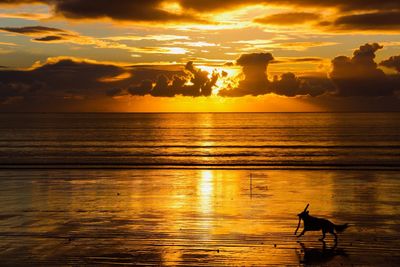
column 332, row 231
column 323, row 235
column 334, row 235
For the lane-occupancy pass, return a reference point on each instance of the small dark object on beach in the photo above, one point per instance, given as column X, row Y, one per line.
column 274, row 245
column 315, row 224
column 117, row 194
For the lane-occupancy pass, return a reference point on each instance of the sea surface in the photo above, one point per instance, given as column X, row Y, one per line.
column 198, row 189
column 201, row 140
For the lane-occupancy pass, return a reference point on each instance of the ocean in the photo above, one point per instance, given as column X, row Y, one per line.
column 198, row 189
column 200, row 140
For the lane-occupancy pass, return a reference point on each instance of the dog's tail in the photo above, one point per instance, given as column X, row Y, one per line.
column 341, row 227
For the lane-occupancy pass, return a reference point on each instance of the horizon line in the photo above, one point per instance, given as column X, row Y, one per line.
column 184, row 112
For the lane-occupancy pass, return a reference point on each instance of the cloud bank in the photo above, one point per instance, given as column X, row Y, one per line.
column 70, row 79
column 359, row 75
column 355, row 76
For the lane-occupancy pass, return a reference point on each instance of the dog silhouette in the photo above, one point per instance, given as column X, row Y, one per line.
column 316, row 224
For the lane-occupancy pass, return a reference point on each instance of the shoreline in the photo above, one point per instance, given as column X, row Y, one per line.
column 393, row 167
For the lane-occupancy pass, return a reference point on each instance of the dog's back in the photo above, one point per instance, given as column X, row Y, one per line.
column 312, row 223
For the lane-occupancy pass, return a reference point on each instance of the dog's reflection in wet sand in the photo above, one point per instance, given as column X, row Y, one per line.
column 319, row 256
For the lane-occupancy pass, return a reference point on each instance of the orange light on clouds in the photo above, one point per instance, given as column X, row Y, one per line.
column 227, row 76
column 120, row 77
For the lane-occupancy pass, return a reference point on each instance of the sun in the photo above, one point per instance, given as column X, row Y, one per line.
column 228, row 76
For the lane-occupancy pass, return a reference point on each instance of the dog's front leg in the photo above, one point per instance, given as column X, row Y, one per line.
column 302, row 233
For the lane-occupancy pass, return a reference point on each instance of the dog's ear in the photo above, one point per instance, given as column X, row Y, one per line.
column 307, row 206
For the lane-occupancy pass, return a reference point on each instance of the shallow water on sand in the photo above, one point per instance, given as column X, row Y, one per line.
column 196, row 217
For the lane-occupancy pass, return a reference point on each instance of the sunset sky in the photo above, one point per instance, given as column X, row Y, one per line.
column 195, row 55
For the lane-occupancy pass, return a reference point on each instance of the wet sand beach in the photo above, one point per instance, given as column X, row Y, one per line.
column 196, row 217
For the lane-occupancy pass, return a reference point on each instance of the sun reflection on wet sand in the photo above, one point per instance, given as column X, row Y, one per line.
column 195, row 217
column 205, row 192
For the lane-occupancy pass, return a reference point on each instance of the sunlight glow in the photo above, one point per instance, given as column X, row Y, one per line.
column 120, row 77
column 224, row 81
column 171, row 7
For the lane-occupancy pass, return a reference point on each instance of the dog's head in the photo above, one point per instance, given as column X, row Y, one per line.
column 304, row 213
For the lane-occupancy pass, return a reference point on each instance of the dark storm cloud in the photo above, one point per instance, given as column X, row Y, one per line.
column 65, row 83
column 359, row 75
column 378, row 15
column 393, row 63
column 307, row 59
column 114, row 92
column 9, row 91
column 162, row 87
column 138, row 10
column 41, row 34
column 16, row 2
column 128, row 10
column 152, row 11
column 316, row 86
column 207, row 5
column 288, row 18
column 68, row 78
column 58, row 79
column 255, row 82
column 141, row 89
column 370, row 21
column 289, row 85
column 49, row 38
column 31, row 30
column 51, row 35
column 296, row 60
